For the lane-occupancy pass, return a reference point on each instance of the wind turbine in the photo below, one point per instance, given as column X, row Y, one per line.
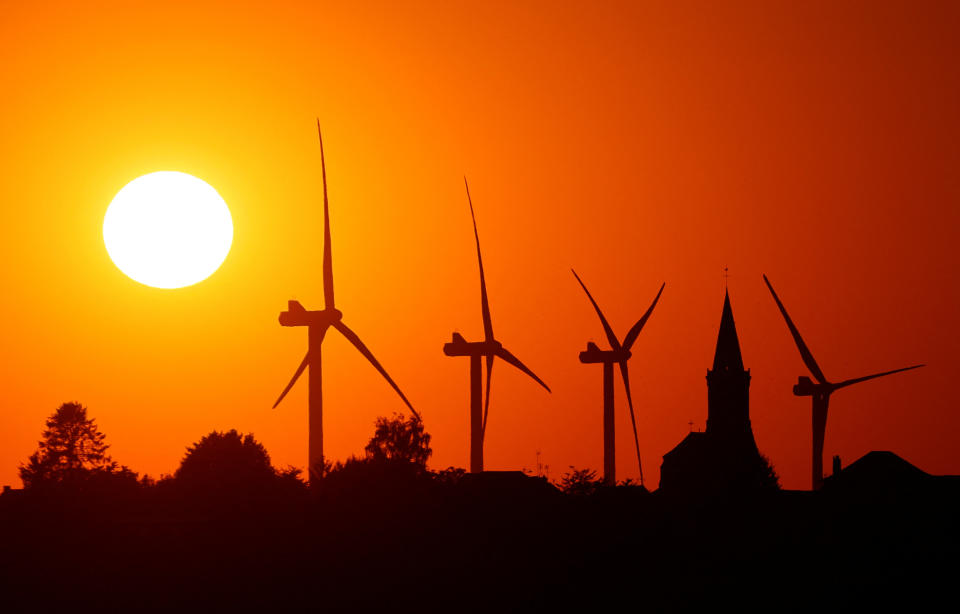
column 317, row 323
column 619, row 354
column 488, row 348
column 819, row 391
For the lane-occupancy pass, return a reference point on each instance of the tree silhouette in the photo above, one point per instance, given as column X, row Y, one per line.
column 580, row 481
column 768, row 478
column 399, row 438
column 393, row 470
column 225, row 460
column 72, row 450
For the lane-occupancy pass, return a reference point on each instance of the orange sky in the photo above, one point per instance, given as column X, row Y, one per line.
column 639, row 143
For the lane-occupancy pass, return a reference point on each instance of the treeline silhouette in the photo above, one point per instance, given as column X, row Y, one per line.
column 227, row 531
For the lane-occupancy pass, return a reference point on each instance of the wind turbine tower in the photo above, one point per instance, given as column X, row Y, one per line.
column 619, row 355
column 487, row 349
column 820, row 391
column 317, row 323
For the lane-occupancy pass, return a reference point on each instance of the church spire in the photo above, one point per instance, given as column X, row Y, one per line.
column 727, row 357
column 728, row 383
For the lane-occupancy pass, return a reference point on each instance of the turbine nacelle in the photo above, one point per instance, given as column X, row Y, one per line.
column 459, row 346
column 296, row 315
column 805, row 387
column 594, row 354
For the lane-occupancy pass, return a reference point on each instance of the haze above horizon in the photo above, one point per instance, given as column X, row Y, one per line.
column 637, row 144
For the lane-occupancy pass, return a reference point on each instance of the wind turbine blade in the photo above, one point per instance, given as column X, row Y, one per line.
column 633, row 418
column 327, row 253
column 293, row 380
column 635, row 331
column 804, row 350
column 850, row 382
column 513, row 360
column 355, row 340
column 486, row 399
column 484, row 305
column 611, row 338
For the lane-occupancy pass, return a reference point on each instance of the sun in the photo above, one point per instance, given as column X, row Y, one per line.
column 168, row 230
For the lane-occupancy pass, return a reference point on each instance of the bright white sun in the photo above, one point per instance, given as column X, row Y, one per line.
column 167, row 230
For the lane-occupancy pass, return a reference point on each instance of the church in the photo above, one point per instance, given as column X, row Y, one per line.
column 724, row 458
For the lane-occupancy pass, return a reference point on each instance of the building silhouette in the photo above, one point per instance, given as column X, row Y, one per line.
column 883, row 475
column 724, row 458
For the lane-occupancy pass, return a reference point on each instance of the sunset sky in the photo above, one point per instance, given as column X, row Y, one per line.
column 639, row 143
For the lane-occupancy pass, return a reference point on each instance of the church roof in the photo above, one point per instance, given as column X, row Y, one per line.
column 727, row 357
column 693, row 443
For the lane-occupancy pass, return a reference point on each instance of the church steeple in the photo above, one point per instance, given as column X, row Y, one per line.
column 727, row 357
column 724, row 458
column 728, row 383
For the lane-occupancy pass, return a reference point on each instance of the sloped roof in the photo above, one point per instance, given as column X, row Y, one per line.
column 694, row 440
column 880, row 466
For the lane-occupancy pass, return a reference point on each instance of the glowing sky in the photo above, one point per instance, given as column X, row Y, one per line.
column 636, row 142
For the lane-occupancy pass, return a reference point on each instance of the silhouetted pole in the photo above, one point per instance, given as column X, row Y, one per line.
column 317, row 323
column 315, row 336
column 618, row 353
column 459, row 346
column 476, row 416
column 489, row 348
column 609, row 441
column 820, row 390
column 475, row 350
column 820, row 405
column 608, row 358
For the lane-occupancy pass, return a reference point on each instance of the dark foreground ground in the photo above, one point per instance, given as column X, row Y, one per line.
column 497, row 543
